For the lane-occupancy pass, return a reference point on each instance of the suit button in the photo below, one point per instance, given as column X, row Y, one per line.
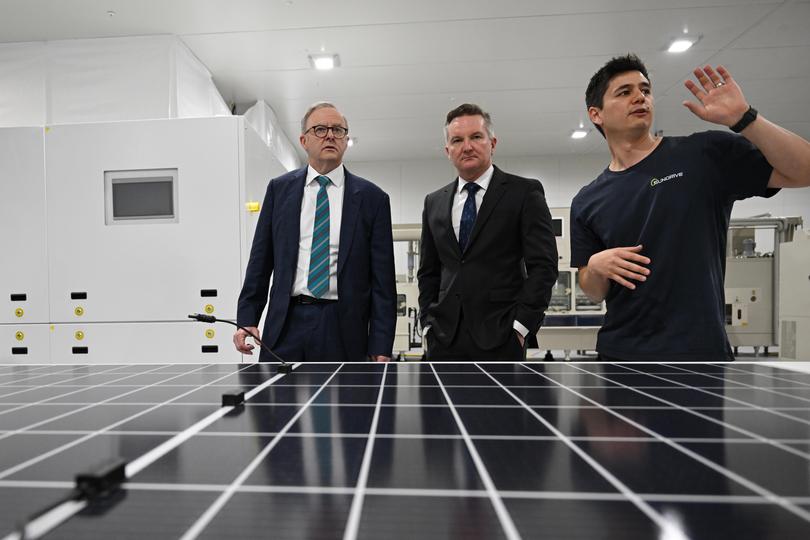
column 457, row 295
column 462, row 261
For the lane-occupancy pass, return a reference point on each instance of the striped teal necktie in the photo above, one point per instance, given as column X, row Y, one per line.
column 318, row 279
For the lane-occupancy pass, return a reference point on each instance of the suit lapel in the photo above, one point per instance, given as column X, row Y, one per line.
column 497, row 187
column 348, row 220
column 290, row 219
column 445, row 207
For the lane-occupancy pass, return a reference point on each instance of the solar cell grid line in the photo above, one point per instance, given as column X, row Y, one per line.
column 353, row 522
column 199, row 525
column 509, row 528
column 784, row 366
column 55, row 383
column 649, row 511
column 756, row 488
column 137, row 465
column 743, row 385
column 803, row 384
column 37, row 459
column 802, row 387
column 727, row 425
column 52, row 418
column 43, row 524
column 45, row 401
column 37, row 375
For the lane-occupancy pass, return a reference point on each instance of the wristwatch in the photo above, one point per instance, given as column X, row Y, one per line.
column 749, row 116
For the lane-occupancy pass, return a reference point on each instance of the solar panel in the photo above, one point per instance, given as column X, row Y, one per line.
column 408, row 450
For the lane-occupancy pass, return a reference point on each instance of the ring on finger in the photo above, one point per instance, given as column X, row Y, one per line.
column 719, row 84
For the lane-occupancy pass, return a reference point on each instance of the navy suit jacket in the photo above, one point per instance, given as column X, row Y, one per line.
column 365, row 266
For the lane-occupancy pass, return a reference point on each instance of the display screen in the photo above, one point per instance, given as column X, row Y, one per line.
column 143, row 198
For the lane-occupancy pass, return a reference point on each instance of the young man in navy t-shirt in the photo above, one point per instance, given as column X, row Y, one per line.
column 649, row 234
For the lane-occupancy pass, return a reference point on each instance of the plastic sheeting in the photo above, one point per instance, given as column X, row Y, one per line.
column 102, row 80
column 262, row 119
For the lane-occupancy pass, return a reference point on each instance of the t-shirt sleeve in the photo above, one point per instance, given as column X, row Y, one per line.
column 743, row 170
column 584, row 242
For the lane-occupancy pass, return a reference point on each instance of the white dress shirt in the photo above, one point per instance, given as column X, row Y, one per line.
column 308, row 204
column 458, row 208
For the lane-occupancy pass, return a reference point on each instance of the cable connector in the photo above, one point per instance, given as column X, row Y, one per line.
column 101, row 481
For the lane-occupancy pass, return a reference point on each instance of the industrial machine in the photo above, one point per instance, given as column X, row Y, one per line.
column 794, row 298
column 120, row 230
column 572, row 319
column 408, row 334
column 753, row 284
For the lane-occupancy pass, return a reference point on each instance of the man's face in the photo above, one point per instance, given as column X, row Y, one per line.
column 469, row 146
column 627, row 105
column 326, row 152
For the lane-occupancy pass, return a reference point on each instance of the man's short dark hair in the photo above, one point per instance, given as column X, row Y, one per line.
column 595, row 94
column 469, row 109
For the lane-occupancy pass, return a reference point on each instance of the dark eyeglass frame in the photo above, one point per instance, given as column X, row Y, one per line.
column 338, row 132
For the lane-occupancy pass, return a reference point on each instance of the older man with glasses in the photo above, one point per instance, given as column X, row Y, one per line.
column 324, row 235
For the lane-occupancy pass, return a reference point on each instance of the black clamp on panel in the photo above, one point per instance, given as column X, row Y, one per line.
column 102, row 480
column 234, row 398
column 284, row 368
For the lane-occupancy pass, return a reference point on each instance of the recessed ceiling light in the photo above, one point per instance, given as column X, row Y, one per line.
column 324, row 61
column 680, row 45
column 352, row 140
column 579, row 133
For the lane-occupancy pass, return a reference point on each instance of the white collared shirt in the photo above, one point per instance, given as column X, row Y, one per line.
column 461, row 196
column 335, row 193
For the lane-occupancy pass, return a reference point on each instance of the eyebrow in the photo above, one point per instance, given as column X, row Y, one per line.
column 629, row 85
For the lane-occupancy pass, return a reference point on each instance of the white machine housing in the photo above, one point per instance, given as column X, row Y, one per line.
column 119, row 292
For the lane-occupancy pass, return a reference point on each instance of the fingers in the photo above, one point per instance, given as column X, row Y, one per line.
column 704, row 79
column 621, row 281
column 240, row 344
column 696, row 91
column 713, row 76
column 725, row 74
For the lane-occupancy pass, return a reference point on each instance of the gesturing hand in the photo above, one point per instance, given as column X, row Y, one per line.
column 720, row 99
column 620, row 264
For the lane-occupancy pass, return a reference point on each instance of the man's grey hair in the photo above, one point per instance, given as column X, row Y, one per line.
column 469, row 109
column 319, row 105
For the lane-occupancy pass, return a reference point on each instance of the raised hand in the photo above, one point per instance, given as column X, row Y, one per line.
column 720, row 99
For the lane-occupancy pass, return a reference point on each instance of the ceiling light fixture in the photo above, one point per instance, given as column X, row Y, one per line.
column 680, row 45
column 324, row 61
column 579, row 134
column 351, row 142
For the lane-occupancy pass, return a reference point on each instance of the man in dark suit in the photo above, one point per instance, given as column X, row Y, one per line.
column 488, row 258
column 325, row 236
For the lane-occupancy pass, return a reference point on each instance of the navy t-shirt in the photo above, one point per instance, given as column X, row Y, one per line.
column 677, row 203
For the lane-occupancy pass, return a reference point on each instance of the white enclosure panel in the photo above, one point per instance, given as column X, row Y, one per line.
column 24, row 344
column 143, row 272
column 168, row 342
column 259, row 165
column 24, row 268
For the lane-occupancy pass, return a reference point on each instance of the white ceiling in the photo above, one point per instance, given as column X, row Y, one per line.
column 405, row 64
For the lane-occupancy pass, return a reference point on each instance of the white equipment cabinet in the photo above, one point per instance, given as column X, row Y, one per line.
column 146, row 223
column 794, row 299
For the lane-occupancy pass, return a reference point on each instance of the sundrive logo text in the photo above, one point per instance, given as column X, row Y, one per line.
column 655, row 181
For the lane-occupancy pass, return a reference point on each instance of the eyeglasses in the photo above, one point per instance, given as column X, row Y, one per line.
column 338, row 132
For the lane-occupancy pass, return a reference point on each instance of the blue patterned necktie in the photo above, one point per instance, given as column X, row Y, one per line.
column 467, row 216
column 318, row 278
